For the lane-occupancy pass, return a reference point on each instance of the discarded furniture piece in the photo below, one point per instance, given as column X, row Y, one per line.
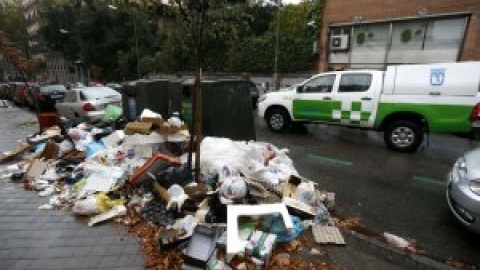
column 236, row 245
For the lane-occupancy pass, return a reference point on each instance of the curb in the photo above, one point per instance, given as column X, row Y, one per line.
column 390, row 254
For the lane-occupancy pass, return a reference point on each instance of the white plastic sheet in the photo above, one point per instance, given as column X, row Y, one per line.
column 247, row 158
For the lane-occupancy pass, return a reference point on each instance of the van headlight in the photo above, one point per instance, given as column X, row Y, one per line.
column 475, row 186
column 262, row 98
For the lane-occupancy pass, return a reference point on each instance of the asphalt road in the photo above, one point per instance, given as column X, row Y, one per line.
column 403, row 194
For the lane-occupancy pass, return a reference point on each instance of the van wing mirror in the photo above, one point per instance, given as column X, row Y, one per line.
column 300, row 89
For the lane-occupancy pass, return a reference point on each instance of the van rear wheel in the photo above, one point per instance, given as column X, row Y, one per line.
column 403, row 136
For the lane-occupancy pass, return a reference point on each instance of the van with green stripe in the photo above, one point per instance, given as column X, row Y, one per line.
column 404, row 102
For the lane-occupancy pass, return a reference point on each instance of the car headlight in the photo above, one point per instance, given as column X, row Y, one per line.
column 262, row 98
column 462, row 168
column 475, row 186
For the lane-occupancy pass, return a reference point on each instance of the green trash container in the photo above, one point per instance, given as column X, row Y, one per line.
column 157, row 95
column 226, row 108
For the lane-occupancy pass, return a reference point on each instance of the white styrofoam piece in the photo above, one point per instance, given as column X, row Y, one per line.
column 234, row 243
column 146, row 113
column 116, row 211
column 112, row 140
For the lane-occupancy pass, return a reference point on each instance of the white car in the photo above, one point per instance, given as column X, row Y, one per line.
column 88, row 102
column 463, row 190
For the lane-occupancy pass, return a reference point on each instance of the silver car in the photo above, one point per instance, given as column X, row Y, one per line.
column 88, row 102
column 463, row 190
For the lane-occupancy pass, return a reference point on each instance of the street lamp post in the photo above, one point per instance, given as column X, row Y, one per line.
column 84, row 72
column 276, row 82
column 136, row 39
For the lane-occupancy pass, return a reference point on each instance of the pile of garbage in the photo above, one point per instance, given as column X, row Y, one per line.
column 248, row 208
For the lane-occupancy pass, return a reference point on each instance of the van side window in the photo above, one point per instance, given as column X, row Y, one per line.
column 355, row 83
column 323, row 84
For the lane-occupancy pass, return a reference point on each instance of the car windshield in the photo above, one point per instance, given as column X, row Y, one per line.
column 99, row 93
column 53, row 88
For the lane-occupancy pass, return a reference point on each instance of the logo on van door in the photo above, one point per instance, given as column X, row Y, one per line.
column 437, row 76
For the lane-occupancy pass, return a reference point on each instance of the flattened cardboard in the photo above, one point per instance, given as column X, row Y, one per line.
column 35, row 170
column 20, row 150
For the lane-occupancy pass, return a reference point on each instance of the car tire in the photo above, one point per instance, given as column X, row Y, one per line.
column 278, row 120
column 403, row 136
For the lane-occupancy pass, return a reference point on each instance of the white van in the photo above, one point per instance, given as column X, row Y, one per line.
column 404, row 101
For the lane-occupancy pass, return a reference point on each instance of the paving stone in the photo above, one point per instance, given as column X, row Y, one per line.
column 116, row 250
column 21, row 265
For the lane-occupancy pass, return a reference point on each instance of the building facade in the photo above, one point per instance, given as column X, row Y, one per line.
column 377, row 33
column 54, row 67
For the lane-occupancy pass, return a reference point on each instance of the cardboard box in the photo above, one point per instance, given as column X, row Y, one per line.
column 261, row 245
column 138, row 127
column 294, row 206
column 157, row 122
column 166, row 128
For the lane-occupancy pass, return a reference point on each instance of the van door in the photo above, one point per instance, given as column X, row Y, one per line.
column 354, row 102
column 313, row 99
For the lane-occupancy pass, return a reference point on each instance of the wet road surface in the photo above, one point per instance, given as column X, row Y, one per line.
column 403, row 194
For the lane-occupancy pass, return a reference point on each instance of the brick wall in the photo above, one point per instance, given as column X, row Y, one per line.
column 343, row 11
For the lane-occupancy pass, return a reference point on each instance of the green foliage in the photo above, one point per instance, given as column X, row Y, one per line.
column 256, row 54
column 101, row 36
column 221, row 35
column 13, row 24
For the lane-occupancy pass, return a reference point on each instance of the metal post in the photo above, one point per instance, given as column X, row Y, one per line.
column 275, row 65
column 197, row 115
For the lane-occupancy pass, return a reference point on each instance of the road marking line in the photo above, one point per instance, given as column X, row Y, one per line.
column 428, row 180
column 330, row 160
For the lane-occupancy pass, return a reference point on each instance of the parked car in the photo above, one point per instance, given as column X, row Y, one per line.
column 88, row 102
column 4, row 90
column 19, row 94
column 45, row 96
column 463, row 190
column 114, row 86
column 255, row 93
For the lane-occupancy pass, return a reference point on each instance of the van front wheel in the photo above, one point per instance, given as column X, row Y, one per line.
column 278, row 120
column 403, row 136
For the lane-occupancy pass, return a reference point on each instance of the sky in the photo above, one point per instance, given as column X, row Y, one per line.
column 291, row 1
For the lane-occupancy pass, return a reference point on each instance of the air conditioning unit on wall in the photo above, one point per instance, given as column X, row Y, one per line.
column 339, row 42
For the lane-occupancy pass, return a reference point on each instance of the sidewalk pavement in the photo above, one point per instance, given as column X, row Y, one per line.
column 51, row 239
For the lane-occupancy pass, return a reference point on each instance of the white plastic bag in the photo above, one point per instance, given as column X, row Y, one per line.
column 86, row 206
column 306, row 193
column 396, row 240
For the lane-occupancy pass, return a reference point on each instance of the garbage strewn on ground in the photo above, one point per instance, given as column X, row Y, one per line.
column 249, row 210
